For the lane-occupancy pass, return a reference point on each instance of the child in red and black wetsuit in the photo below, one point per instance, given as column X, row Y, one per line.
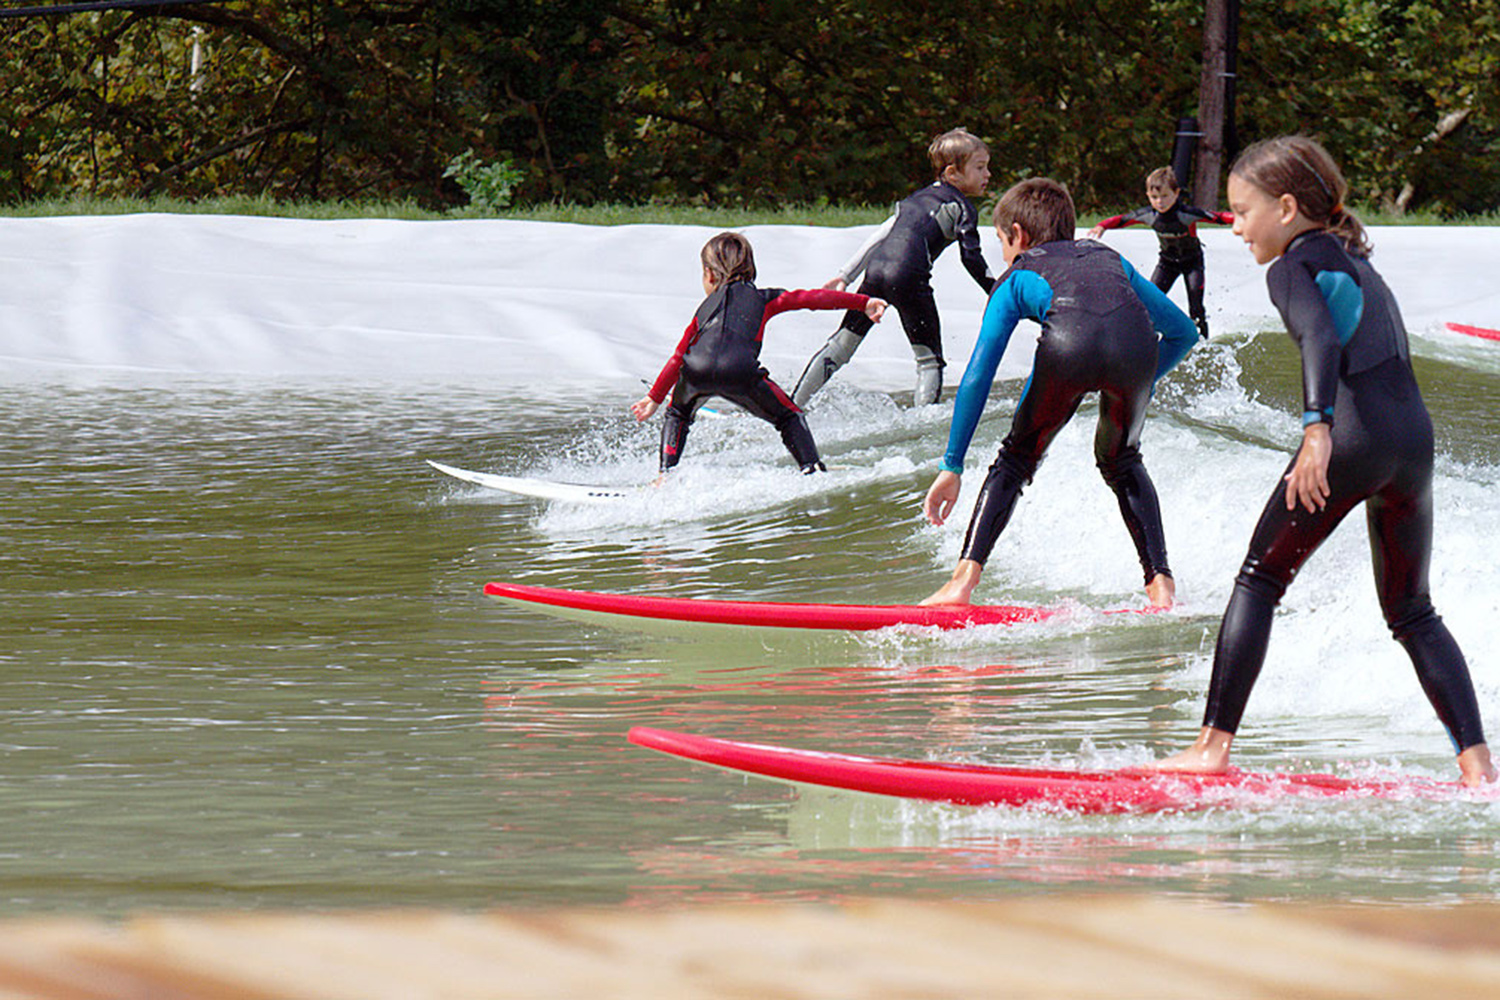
column 719, row 354
column 1176, row 225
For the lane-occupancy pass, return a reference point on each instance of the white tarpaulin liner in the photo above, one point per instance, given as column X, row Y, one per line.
column 522, row 301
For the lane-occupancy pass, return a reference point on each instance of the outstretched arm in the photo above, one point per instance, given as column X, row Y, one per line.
column 1020, row 293
column 1140, row 216
column 1113, row 222
column 670, row 370
column 825, row 298
column 855, row 265
column 1196, row 214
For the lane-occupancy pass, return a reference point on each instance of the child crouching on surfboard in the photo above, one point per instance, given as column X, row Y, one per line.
column 1366, row 438
column 1100, row 321
column 719, row 353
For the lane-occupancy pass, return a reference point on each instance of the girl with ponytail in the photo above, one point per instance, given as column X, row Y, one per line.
column 1366, row 439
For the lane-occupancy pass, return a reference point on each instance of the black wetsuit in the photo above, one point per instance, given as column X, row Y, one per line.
column 1181, row 252
column 897, row 264
column 1099, row 323
column 1356, row 376
column 719, row 355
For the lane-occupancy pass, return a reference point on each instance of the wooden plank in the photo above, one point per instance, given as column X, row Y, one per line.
column 878, row 949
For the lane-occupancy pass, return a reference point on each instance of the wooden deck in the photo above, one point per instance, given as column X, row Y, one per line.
column 1117, row 947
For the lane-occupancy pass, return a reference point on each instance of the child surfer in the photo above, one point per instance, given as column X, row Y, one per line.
column 719, row 353
column 897, row 264
column 1176, row 225
column 1100, row 321
column 1367, row 438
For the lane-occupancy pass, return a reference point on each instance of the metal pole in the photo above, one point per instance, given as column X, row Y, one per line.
column 1183, row 145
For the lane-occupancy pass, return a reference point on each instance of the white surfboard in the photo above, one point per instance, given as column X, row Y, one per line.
column 540, row 488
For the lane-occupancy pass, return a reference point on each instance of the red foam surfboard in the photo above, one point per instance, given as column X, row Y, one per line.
column 1474, row 331
column 766, row 614
column 1130, row 790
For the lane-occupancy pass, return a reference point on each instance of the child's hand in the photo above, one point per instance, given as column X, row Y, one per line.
column 875, row 308
column 1307, row 483
column 643, row 407
column 941, row 496
column 837, row 284
column 1096, row 232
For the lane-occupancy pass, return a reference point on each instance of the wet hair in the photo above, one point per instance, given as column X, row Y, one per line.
column 1039, row 205
column 954, row 148
column 1301, row 167
column 1162, row 179
column 728, row 257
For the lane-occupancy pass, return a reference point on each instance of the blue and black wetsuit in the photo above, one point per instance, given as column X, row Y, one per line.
column 719, row 355
column 897, row 264
column 1100, row 320
column 1356, row 377
column 1181, row 252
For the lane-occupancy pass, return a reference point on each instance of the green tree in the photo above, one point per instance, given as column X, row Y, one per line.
column 734, row 101
column 1402, row 91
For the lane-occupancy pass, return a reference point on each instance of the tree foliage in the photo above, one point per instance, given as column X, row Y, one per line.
column 731, row 101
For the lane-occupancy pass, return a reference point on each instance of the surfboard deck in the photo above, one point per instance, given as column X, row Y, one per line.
column 760, row 614
column 539, row 488
column 1120, row 791
column 1474, row 331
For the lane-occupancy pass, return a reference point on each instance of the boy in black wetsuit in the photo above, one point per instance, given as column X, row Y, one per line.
column 1176, row 225
column 719, row 354
column 1366, row 439
column 897, row 264
column 1100, row 321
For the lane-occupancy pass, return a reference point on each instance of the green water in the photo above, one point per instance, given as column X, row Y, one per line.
column 247, row 662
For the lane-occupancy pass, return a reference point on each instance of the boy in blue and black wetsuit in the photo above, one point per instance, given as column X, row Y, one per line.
column 1100, row 321
column 1176, row 226
column 897, row 264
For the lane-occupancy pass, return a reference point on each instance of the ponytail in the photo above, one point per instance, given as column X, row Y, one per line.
column 1343, row 224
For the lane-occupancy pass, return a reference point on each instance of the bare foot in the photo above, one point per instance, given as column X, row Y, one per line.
column 1161, row 591
column 958, row 588
column 948, row 593
column 1475, row 766
column 1209, row 754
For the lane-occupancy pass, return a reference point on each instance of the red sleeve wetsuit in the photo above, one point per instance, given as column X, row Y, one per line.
column 719, row 355
column 1357, row 378
column 1181, row 252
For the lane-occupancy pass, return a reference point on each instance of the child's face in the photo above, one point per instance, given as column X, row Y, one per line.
column 1266, row 224
column 973, row 178
column 1161, row 198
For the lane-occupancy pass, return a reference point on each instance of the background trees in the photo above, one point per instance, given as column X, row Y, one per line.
column 726, row 101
